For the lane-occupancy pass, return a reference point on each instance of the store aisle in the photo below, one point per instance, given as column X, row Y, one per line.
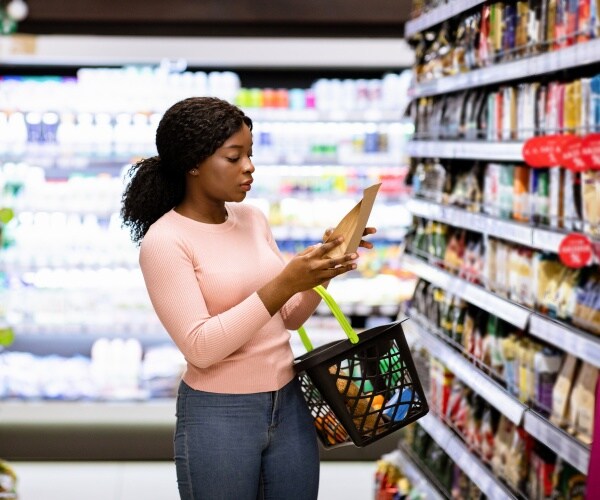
column 156, row 481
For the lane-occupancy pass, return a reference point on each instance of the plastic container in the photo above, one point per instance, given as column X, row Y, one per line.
column 361, row 389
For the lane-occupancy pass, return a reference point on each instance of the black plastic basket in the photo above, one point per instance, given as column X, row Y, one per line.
column 361, row 389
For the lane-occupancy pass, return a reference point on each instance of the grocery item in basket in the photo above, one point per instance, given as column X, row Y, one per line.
column 396, row 411
column 361, row 405
column 330, row 427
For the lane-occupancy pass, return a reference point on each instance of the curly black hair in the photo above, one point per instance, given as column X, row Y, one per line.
column 189, row 132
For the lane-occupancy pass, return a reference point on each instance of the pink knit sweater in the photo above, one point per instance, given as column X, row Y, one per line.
column 202, row 280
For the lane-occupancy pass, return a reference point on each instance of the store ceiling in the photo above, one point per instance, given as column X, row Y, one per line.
column 329, row 18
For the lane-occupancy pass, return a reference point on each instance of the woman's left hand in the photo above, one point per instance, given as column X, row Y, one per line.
column 363, row 243
column 366, row 232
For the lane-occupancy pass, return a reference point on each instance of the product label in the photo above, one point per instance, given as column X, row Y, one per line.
column 575, row 250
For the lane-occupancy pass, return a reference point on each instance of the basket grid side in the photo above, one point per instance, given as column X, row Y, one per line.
column 329, row 429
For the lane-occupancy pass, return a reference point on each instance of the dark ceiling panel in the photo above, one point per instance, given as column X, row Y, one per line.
column 225, row 17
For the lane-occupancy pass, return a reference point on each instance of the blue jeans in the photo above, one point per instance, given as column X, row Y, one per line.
column 245, row 446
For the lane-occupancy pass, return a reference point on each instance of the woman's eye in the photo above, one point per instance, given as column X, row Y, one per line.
column 232, row 160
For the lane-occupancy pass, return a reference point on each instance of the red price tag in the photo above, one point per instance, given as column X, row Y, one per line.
column 575, row 250
column 590, row 151
column 545, row 151
column 571, row 155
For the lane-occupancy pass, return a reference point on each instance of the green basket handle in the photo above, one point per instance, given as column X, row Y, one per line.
column 337, row 313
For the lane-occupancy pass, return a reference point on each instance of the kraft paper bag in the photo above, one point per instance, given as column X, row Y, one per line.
column 352, row 226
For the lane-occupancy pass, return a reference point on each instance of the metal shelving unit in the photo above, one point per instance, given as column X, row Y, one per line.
column 560, row 442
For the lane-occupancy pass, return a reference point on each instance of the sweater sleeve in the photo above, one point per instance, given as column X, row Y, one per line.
column 203, row 339
column 302, row 305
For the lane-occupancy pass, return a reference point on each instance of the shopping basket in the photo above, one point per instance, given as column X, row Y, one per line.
column 360, row 389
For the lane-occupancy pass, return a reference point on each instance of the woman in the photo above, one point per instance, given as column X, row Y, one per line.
column 227, row 298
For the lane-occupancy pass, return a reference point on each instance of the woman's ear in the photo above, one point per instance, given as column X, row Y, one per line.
column 194, row 171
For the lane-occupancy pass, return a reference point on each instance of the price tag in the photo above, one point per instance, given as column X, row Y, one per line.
column 558, row 441
column 411, row 148
column 417, row 207
column 510, row 70
column 516, row 151
column 589, row 52
column 491, row 392
column 441, row 149
column 513, row 231
column 549, row 330
column 591, row 151
column 575, row 250
column 572, row 157
column 452, row 447
column 578, row 456
column 478, row 223
column 547, row 240
column 508, row 311
column 445, row 213
column 587, row 348
column 579, row 344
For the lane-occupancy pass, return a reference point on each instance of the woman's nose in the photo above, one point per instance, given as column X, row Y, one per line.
column 249, row 166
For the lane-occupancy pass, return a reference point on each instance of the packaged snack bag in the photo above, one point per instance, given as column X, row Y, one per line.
column 562, row 391
column 581, row 404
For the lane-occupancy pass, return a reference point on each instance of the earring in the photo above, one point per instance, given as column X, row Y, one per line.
column 193, row 171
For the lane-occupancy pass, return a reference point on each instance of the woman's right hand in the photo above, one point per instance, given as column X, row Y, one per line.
column 304, row 271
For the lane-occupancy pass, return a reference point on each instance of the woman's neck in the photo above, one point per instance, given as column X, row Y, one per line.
column 217, row 215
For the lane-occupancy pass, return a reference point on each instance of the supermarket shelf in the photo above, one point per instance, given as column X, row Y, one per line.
column 59, row 165
column 206, row 52
column 437, row 15
column 504, row 229
column 469, row 463
column 359, row 309
column 86, row 413
column 505, row 309
column 547, row 240
column 558, row 441
column 314, row 115
column 291, row 233
column 493, row 393
column 484, row 150
column 417, row 477
column 581, row 344
column 569, row 57
column 70, row 343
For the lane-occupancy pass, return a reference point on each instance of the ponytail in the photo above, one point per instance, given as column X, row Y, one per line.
column 149, row 194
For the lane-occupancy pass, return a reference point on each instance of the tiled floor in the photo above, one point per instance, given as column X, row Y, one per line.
column 156, row 481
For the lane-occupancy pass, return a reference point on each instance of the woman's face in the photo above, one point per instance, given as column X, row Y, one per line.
column 226, row 175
